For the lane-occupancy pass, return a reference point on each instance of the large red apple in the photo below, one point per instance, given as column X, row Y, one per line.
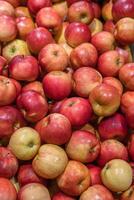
column 6, row 9
column 95, row 174
column 62, row 196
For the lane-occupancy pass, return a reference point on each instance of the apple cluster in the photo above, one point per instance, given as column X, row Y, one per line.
column 66, row 100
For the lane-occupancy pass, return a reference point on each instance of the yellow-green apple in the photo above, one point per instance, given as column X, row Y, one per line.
column 117, row 175
column 112, row 127
column 95, row 174
column 96, row 191
column 124, row 31
column 60, row 36
column 33, row 191
column 10, row 120
column 22, row 11
column 78, row 110
column 14, row 48
column 128, row 194
column 24, row 143
column 32, row 105
column 54, row 129
column 38, row 38
column 109, row 26
column 131, row 147
column 77, row 33
column 53, row 57
column 107, row 10
column 14, row 3
column 35, row 86
column 68, row 49
column 81, row 11
column 6, row 9
column 85, row 79
column 110, row 62
column 50, row 162
column 61, row 8
column 48, row 18
column 103, row 41
column 61, row 196
column 105, row 100
column 59, row 80
column 7, row 190
column 75, row 179
column 127, row 101
column 84, row 55
column 83, row 146
column 95, row 26
column 114, row 82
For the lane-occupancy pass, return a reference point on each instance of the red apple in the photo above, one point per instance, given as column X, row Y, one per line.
column 6, row 9
column 125, row 53
column 131, row 147
column 77, row 33
column 70, row 2
column 75, row 179
column 59, row 80
column 14, row 3
column 128, row 194
column 7, row 190
column 103, row 41
column 55, row 107
column 61, row 196
column 97, row 9
column 127, row 101
column 32, row 105
column 3, row 66
column 109, row 26
column 84, row 55
column 35, row 86
column 107, row 10
column 85, row 79
column 95, row 174
column 78, row 110
column 22, row 11
column 17, row 85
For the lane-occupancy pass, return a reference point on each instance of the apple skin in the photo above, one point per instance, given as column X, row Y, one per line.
column 6, row 9
column 125, row 53
column 128, row 194
column 61, row 8
column 59, row 80
column 55, row 107
column 107, row 10
column 14, row 3
column 112, row 127
column 26, row 175
column 103, row 41
column 127, row 101
column 3, row 66
column 7, row 190
column 70, row 2
column 22, row 11
column 81, row 11
column 54, row 129
column 117, row 175
column 96, row 191
column 109, row 26
column 62, row 196
column 32, row 105
column 33, row 191
column 85, row 79
column 50, row 161
column 24, row 143
column 110, row 62
column 95, row 26
column 48, row 18
column 53, row 57
column 77, row 33
column 97, row 9
column 75, row 179
column 78, row 110
column 105, row 100
column 35, row 86
column 84, row 55
column 83, row 146
column 131, row 147
column 95, row 174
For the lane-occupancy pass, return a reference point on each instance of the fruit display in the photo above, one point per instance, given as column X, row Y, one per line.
column 66, row 99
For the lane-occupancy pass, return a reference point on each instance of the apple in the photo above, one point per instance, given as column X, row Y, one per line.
column 75, row 179
column 60, row 36
column 61, row 8
column 53, row 57
column 83, row 146
column 6, row 9
column 84, row 55
column 7, row 190
column 50, row 161
column 105, row 100
column 127, row 101
column 14, row 3
column 117, row 175
column 131, row 147
column 97, row 9
column 95, row 26
column 48, row 18
column 125, row 53
column 24, row 143
column 61, row 196
column 81, row 11
column 110, row 62
column 14, row 48
column 3, row 66
column 95, row 174
column 109, row 26
column 78, row 110
column 128, row 194
column 77, row 33
column 33, row 191
column 130, row 116
column 90, row 128
column 107, row 10
column 59, row 80
column 97, row 191
column 70, row 2
column 35, row 86
column 54, row 107
column 22, row 11
column 128, row 48
column 103, row 41
column 85, row 79
column 17, row 85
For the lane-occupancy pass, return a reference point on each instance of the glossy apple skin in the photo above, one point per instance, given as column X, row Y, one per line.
column 54, row 129
column 95, row 174
column 127, row 101
column 6, row 9
column 128, row 194
column 85, row 79
column 131, row 147
column 83, row 146
column 97, row 191
column 7, row 190
column 38, row 38
column 62, row 196
column 81, row 11
column 77, row 33
column 103, row 41
column 22, row 11
column 50, row 161
column 84, row 55
column 109, row 63
column 32, row 105
column 34, row 191
column 24, row 68
column 78, row 110
column 75, row 179
column 109, row 26
column 59, row 80
column 35, row 86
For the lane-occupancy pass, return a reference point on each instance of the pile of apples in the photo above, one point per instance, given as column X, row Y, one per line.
column 66, row 100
